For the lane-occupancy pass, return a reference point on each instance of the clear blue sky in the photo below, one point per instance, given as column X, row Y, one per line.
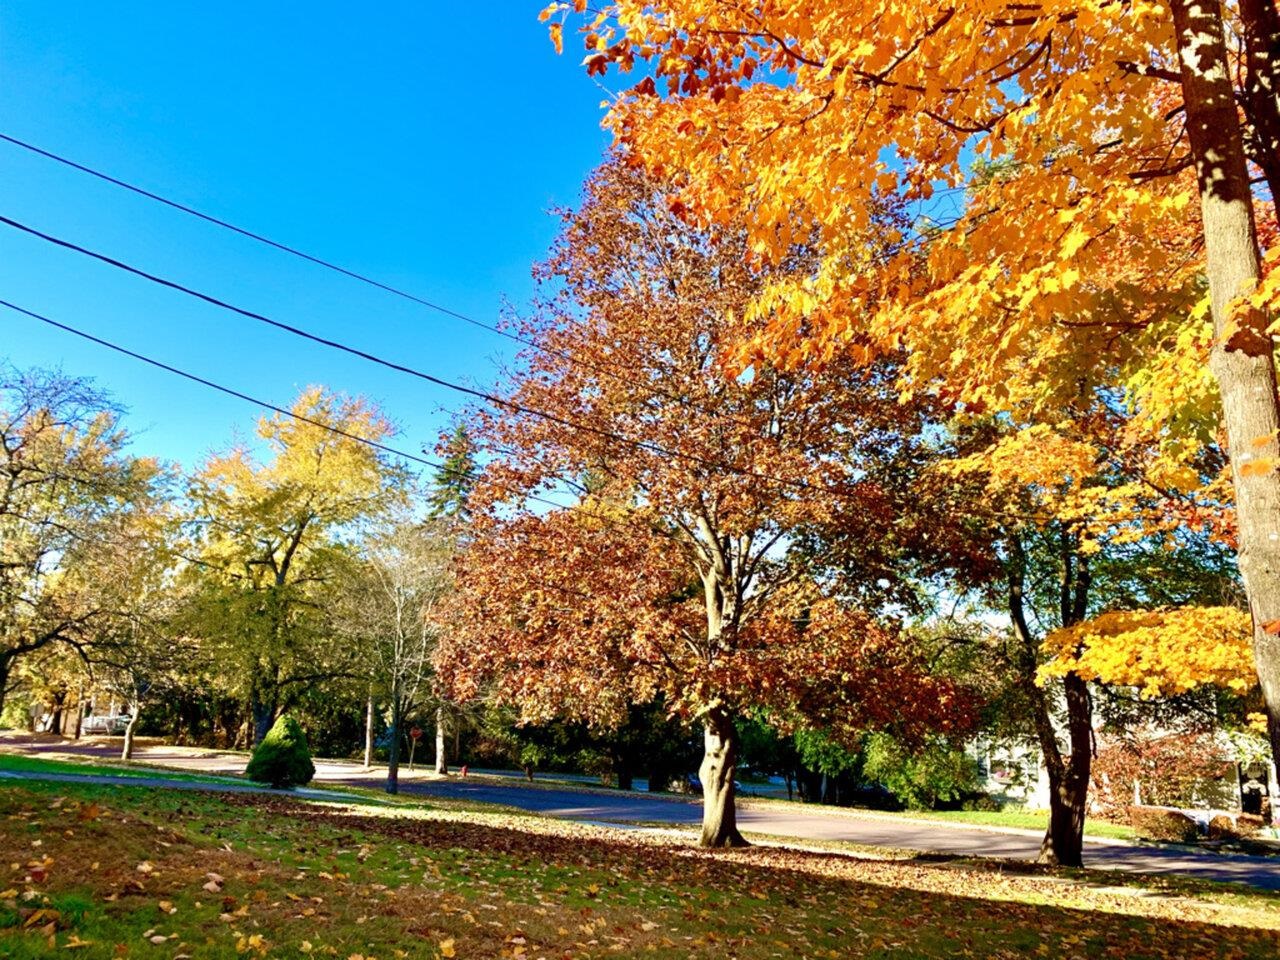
column 416, row 142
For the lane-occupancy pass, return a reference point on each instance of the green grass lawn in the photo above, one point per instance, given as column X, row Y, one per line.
column 24, row 764
column 1025, row 819
column 107, row 872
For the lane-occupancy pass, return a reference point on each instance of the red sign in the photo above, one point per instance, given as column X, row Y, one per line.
column 415, row 733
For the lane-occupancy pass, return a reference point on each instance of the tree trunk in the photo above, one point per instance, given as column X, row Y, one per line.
column 393, row 751
column 79, row 711
column 719, row 761
column 55, row 719
column 126, row 750
column 368, row 733
column 1243, row 359
column 6, row 664
column 1068, row 776
column 1069, row 781
column 264, row 716
column 1261, row 22
column 442, row 764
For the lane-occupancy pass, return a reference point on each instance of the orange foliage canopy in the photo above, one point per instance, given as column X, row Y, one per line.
column 1078, row 226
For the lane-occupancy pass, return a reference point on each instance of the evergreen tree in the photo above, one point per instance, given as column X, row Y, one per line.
column 453, row 479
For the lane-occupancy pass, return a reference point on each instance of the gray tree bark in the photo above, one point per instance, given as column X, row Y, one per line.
column 719, row 761
column 368, row 733
column 126, row 749
column 1243, row 359
column 442, row 765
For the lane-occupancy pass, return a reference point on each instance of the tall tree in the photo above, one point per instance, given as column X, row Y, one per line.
column 268, row 538
column 455, row 476
column 1111, row 119
column 391, row 592
column 681, row 572
column 1083, row 533
column 448, row 500
column 64, row 479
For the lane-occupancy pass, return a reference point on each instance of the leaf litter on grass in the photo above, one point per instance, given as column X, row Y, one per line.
column 247, row 876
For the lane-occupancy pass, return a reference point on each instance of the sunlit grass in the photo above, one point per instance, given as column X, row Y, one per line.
column 120, row 866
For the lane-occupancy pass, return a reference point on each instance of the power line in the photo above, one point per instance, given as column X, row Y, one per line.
column 328, row 264
column 231, row 392
column 259, row 238
column 511, row 405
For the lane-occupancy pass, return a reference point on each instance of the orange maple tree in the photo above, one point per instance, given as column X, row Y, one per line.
column 1101, row 120
column 687, row 563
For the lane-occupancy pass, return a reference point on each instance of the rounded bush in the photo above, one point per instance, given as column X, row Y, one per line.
column 282, row 758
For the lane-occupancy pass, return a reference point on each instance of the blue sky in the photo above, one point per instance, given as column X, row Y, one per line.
column 415, row 142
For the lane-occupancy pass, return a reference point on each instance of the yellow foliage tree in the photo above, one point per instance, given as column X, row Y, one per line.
column 1161, row 652
column 268, row 540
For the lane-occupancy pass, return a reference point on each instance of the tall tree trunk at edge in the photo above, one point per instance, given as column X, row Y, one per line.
column 1243, row 358
column 719, row 816
column 1261, row 22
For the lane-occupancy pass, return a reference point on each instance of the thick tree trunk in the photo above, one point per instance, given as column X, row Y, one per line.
column 264, row 716
column 126, row 749
column 1243, row 359
column 719, row 761
column 442, row 763
column 368, row 732
column 55, row 719
column 1069, row 781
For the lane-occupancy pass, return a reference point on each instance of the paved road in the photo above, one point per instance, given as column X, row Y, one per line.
column 802, row 823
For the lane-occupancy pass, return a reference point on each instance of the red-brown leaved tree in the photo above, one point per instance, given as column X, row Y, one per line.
column 689, row 562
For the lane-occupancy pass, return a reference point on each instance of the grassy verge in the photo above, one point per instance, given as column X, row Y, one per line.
column 131, row 872
column 1023, row 819
column 26, row 764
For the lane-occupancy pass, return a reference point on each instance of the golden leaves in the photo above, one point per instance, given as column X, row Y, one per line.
column 1161, row 652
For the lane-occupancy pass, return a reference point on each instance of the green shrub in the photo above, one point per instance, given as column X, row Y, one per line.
column 920, row 779
column 282, row 758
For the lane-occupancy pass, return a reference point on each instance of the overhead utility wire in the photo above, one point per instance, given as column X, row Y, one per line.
column 384, row 448
column 231, row 392
column 511, row 405
column 622, row 377
column 283, row 247
column 392, row 451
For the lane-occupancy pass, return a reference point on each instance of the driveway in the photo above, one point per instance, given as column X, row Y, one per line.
column 798, row 822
